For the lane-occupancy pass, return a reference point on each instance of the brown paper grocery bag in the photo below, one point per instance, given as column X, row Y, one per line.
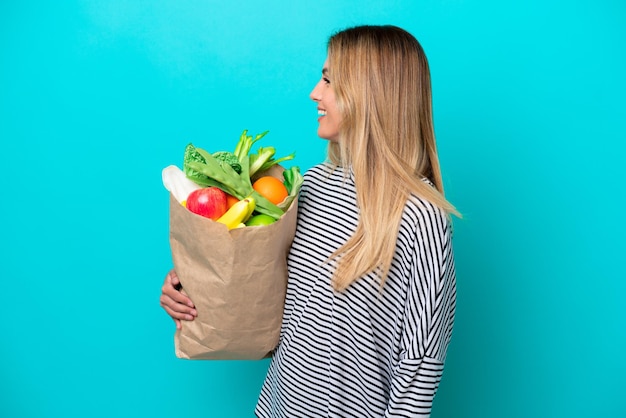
column 237, row 280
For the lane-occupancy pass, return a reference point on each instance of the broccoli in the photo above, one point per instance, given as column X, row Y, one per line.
column 225, row 157
column 192, row 155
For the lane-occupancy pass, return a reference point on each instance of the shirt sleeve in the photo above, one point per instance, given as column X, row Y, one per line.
column 428, row 318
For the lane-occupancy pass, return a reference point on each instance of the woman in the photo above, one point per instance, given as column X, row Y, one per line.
column 371, row 294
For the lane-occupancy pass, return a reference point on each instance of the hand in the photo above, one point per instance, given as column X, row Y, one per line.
column 176, row 304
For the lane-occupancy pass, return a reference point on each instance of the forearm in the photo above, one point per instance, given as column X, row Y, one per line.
column 413, row 388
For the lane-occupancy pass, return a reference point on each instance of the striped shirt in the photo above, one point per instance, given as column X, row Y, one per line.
column 361, row 353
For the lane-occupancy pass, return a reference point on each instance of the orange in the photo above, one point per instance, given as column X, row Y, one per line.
column 271, row 188
column 230, row 200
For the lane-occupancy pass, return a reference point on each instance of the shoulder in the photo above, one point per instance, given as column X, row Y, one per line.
column 327, row 179
column 419, row 209
column 322, row 173
column 425, row 220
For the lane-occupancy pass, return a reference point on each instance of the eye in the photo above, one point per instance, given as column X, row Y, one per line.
column 326, row 80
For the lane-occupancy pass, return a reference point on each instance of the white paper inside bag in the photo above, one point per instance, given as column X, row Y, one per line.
column 177, row 183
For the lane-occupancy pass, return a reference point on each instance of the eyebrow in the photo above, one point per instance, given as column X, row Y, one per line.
column 325, row 71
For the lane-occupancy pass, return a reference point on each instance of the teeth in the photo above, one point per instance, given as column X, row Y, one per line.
column 321, row 112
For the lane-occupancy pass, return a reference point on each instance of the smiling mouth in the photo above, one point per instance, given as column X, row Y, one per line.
column 321, row 112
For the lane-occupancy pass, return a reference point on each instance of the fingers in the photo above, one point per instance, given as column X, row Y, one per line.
column 176, row 309
column 172, row 287
column 176, row 304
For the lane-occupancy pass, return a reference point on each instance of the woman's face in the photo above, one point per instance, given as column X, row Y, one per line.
column 328, row 116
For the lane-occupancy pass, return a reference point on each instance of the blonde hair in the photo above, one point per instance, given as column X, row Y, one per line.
column 381, row 80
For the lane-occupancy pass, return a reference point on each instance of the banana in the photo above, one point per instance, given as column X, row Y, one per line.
column 238, row 213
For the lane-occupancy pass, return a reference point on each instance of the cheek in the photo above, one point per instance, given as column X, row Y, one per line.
column 334, row 107
column 336, row 116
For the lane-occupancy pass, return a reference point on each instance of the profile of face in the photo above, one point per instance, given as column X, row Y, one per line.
column 329, row 118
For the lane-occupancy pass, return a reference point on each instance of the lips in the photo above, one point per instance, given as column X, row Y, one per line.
column 321, row 112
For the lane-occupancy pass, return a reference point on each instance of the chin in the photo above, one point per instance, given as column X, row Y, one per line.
column 331, row 138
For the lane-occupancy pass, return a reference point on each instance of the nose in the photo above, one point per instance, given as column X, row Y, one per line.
column 316, row 92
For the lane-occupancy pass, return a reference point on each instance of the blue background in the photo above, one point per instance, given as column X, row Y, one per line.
column 97, row 97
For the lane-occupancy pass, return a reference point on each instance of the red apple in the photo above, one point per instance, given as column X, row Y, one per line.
column 209, row 202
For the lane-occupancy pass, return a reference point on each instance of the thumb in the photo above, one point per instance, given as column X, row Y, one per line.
column 173, row 277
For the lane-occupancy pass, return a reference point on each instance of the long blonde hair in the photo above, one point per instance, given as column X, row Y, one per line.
column 381, row 80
